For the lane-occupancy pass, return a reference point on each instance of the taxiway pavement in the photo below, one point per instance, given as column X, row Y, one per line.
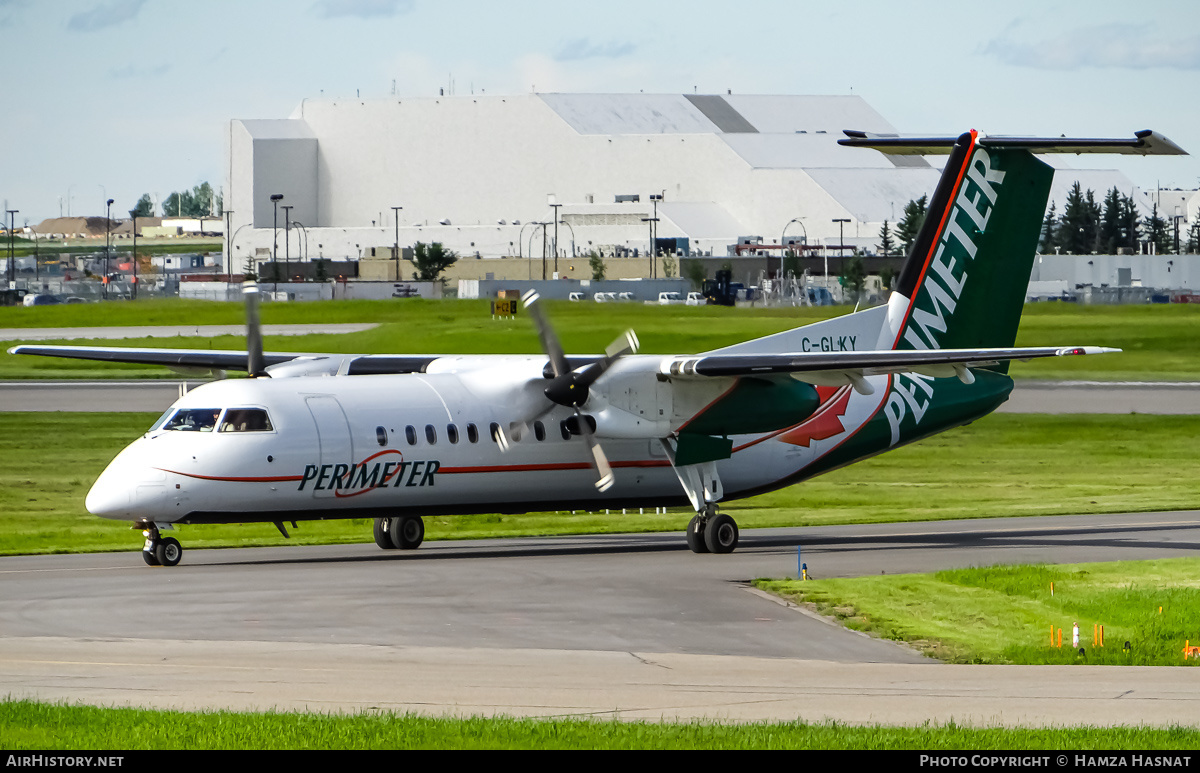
column 633, row 626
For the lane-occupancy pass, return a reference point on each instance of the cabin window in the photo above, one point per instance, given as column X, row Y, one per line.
column 566, row 433
column 410, row 434
column 381, row 435
column 539, row 431
column 495, row 430
column 452, row 433
column 430, row 434
column 246, row 420
column 194, row 420
column 472, row 433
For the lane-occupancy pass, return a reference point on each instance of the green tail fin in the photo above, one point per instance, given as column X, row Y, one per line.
column 963, row 285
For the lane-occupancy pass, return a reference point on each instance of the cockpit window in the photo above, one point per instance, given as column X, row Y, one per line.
column 162, row 419
column 193, row 420
column 246, row 420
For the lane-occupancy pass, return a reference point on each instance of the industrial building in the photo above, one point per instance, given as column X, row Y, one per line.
column 566, row 174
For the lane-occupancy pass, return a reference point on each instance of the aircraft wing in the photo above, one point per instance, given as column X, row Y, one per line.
column 226, row 360
column 189, row 358
column 936, row 362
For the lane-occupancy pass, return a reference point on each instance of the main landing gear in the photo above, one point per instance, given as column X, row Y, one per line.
column 712, row 532
column 159, row 550
column 405, row 532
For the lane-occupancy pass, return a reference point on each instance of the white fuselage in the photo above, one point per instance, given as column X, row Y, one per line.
column 351, row 446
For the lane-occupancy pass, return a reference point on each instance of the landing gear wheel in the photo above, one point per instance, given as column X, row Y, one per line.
column 150, row 559
column 695, row 535
column 721, row 534
column 168, row 551
column 383, row 533
column 407, row 532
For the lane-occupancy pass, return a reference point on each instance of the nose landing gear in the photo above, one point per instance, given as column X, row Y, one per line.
column 712, row 532
column 159, row 550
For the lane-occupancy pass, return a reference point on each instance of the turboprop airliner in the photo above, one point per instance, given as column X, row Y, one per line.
column 398, row 437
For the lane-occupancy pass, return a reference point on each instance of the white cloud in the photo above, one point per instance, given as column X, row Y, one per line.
column 363, row 9
column 1114, row 46
column 584, row 48
column 105, row 15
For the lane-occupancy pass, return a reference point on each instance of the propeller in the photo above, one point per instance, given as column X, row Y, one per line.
column 571, row 388
column 254, row 347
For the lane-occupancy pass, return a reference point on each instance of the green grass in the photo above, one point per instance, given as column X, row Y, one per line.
column 1003, row 465
column 28, row 725
column 1005, row 614
column 1159, row 341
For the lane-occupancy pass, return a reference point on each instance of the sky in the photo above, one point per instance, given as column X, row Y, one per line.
column 116, row 98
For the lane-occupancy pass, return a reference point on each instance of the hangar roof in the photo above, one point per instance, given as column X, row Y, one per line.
column 702, row 219
column 714, row 113
column 874, row 195
column 278, row 129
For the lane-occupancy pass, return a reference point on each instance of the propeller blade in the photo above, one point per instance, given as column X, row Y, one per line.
column 600, row 463
column 254, row 345
column 626, row 344
column 550, row 344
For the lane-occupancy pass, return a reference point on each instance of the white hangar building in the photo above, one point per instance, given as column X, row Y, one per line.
column 480, row 173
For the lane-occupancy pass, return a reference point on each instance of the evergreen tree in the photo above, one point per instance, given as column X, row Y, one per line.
column 144, row 207
column 596, row 264
column 1092, row 222
column 1078, row 229
column 1049, row 232
column 908, row 227
column 1158, row 233
column 1110, row 222
column 1130, row 225
column 886, row 242
column 853, row 276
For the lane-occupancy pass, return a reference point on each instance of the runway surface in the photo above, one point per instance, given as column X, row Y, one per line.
column 1181, row 398
column 634, row 626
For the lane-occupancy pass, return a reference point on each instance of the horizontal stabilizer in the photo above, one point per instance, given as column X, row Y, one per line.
column 884, row 361
column 1143, row 143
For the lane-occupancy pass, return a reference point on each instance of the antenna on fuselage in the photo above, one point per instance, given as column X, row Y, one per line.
column 254, row 347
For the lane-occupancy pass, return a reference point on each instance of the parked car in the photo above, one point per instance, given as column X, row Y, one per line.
column 668, row 299
column 42, row 300
column 695, row 299
column 575, row 297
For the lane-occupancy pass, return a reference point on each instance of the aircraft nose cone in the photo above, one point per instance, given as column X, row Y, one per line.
column 107, row 498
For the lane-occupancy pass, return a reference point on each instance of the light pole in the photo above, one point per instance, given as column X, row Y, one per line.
column 287, row 242
column 650, row 221
column 551, row 200
column 107, row 239
column 841, row 221
column 396, row 245
column 275, row 199
column 304, row 232
column 133, row 218
column 782, row 251
column 228, row 251
column 12, row 261
column 654, row 199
